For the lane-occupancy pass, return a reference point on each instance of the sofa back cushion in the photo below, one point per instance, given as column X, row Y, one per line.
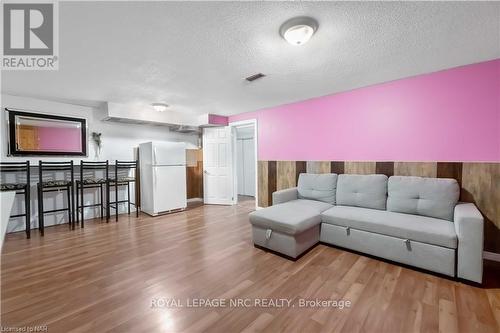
column 433, row 197
column 368, row 191
column 319, row 187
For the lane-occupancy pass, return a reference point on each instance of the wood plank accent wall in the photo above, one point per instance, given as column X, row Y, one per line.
column 421, row 169
column 480, row 182
column 300, row 167
column 194, row 173
column 481, row 185
column 262, row 181
column 337, row 167
column 286, row 173
column 271, row 180
column 359, row 168
column 318, row 167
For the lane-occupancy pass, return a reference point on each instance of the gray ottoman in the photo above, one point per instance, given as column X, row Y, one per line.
column 289, row 228
column 292, row 225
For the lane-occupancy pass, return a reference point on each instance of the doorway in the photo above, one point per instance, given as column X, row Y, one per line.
column 245, row 160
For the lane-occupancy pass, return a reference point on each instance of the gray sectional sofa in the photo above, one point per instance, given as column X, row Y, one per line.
column 412, row 220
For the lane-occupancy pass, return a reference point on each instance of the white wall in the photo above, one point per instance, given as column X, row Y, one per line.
column 118, row 142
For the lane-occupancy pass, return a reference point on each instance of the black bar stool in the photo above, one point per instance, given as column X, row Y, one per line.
column 55, row 185
column 88, row 179
column 122, row 174
column 19, row 187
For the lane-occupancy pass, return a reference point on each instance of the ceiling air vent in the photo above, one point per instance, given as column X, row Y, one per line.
column 254, row 77
column 185, row 129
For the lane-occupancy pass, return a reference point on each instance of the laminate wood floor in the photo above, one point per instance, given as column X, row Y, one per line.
column 108, row 277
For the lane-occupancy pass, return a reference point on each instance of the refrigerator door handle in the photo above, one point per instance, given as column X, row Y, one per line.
column 154, row 156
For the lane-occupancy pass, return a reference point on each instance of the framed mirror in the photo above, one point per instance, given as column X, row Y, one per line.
column 42, row 134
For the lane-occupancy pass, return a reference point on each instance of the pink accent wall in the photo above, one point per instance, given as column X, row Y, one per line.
column 59, row 139
column 214, row 119
column 451, row 115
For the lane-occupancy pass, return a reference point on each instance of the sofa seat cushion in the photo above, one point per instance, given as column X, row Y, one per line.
column 414, row 227
column 292, row 217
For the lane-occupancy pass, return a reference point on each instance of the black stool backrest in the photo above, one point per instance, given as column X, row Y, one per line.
column 44, row 166
column 11, row 167
column 124, row 165
column 90, row 165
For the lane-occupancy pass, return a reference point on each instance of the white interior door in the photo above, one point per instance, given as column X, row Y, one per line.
column 217, row 166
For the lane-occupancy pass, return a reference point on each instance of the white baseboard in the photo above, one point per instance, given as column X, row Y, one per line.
column 195, row 199
column 491, row 256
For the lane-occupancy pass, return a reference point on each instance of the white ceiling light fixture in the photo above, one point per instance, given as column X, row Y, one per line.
column 298, row 30
column 160, row 107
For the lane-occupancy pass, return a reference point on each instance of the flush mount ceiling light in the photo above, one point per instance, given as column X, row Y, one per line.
column 160, row 107
column 298, row 30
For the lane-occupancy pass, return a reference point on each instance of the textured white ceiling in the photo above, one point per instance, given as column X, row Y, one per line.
column 194, row 55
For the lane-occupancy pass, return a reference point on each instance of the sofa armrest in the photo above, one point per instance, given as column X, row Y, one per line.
column 469, row 228
column 285, row 195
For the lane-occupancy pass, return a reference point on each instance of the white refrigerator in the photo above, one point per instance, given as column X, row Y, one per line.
column 163, row 177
